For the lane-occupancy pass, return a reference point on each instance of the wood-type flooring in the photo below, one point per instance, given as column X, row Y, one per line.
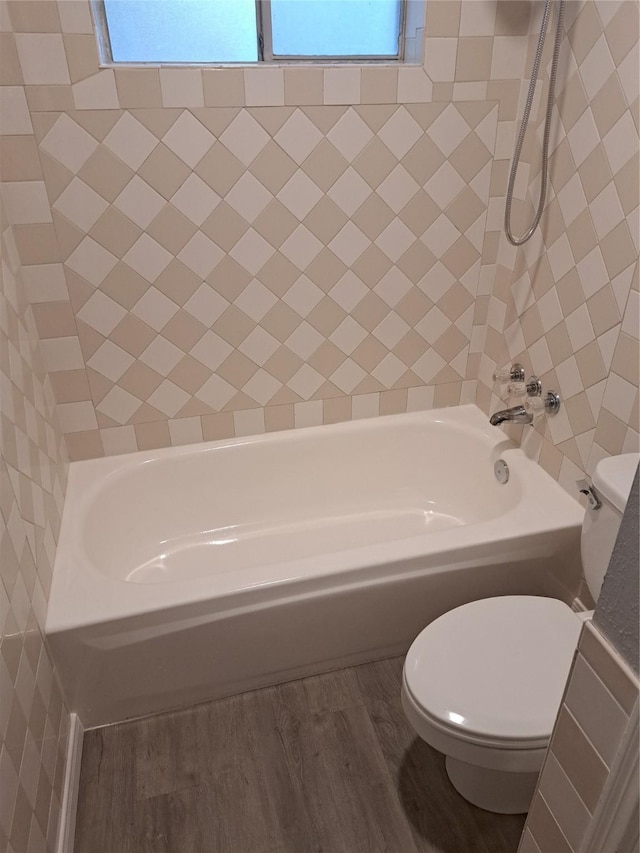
column 327, row 764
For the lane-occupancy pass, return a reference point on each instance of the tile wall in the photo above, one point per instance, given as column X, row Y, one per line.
column 226, row 251
column 598, row 710
column 33, row 717
column 566, row 305
column 220, row 252
column 279, row 277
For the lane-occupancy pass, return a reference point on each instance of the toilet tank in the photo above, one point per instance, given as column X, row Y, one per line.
column 612, row 481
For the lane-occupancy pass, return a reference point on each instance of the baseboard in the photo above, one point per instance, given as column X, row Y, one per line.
column 67, row 826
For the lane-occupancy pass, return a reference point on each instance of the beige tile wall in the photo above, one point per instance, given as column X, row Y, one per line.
column 303, row 268
column 566, row 304
column 596, row 713
column 235, row 250
column 225, row 251
column 33, row 717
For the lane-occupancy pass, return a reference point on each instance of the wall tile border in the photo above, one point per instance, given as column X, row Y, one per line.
column 83, row 82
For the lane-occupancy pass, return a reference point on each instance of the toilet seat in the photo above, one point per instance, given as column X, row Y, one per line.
column 492, row 672
column 482, row 752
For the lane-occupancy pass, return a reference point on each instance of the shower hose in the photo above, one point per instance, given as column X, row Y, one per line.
column 518, row 241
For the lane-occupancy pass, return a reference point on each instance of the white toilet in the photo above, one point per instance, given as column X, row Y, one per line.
column 483, row 683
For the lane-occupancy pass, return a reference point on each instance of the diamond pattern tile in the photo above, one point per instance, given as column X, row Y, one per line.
column 140, row 202
column 168, row 398
column 188, row 139
column 80, row 204
column 348, row 376
column 69, row 144
column 130, row 141
column 300, row 195
column 351, row 240
column 568, row 333
column 389, row 371
column 301, row 247
column 111, row 361
column 259, row 346
column 400, row 132
column 248, row 197
column 349, row 244
column 349, row 192
column 161, row 355
column 147, row 257
column 244, row 138
column 91, row 261
column 255, row 301
column 448, row 130
column 298, row 136
column 262, row 387
column 395, row 240
column 252, row 251
column 195, row 200
column 349, row 135
column 398, row 188
column 200, row 254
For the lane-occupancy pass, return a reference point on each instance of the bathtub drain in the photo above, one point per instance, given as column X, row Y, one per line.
column 501, row 470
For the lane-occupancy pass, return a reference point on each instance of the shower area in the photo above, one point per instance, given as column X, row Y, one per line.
column 191, row 254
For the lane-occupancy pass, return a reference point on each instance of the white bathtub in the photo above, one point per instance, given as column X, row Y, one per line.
column 195, row 572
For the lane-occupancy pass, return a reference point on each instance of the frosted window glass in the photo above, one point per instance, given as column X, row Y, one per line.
column 182, row 30
column 335, row 27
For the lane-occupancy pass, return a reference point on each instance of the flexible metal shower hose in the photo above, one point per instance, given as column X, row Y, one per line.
column 518, row 241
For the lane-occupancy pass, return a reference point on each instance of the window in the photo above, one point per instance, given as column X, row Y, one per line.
column 227, row 31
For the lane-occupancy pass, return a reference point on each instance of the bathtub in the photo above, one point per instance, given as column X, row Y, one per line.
column 191, row 573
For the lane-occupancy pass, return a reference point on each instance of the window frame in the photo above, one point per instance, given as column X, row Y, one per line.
column 412, row 15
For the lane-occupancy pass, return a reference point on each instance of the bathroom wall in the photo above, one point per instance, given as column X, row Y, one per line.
column 229, row 251
column 597, row 727
column 566, row 304
column 33, row 717
column 592, row 735
column 617, row 612
column 220, row 252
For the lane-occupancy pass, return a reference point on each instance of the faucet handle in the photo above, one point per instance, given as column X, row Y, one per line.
column 515, row 373
column 517, row 390
column 536, row 406
column 533, row 386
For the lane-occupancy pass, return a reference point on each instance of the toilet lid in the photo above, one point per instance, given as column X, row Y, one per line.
column 495, row 668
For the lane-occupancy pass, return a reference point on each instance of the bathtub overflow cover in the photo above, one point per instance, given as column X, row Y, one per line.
column 501, row 470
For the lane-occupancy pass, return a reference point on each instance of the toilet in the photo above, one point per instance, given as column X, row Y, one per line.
column 483, row 683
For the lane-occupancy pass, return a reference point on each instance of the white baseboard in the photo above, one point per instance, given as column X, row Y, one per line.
column 67, row 826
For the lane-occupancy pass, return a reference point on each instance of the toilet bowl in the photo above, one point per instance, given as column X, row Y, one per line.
column 483, row 683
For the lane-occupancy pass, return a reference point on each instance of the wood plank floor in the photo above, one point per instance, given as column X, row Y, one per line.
column 327, row 764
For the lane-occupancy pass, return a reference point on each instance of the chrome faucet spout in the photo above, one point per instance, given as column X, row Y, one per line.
column 515, row 415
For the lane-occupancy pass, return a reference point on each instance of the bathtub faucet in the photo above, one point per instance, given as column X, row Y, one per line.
column 514, row 415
